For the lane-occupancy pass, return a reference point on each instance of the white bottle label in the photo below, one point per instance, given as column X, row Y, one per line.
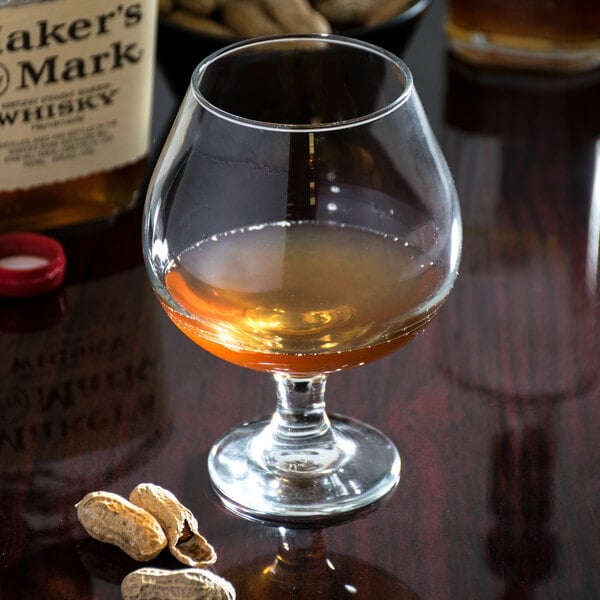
column 75, row 88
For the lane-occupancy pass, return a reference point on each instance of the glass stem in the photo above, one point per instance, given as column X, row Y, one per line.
column 299, row 439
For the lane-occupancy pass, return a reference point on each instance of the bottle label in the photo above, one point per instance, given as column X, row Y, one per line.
column 75, row 88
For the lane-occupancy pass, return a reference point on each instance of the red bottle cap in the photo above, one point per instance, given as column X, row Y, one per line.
column 30, row 264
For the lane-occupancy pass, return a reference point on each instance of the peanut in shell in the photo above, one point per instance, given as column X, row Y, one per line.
column 184, row 584
column 112, row 519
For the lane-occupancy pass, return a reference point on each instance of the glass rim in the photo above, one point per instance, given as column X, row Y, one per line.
column 390, row 107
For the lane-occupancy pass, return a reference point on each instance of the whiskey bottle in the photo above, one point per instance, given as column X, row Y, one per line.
column 76, row 80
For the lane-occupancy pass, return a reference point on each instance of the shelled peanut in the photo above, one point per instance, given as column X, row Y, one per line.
column 178, row 523
column 151, row 520
column 252, row 18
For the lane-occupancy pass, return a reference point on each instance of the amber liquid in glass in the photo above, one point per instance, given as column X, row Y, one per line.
column 303, row 297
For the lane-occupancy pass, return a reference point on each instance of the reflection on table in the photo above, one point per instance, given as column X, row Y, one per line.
column 494, row 408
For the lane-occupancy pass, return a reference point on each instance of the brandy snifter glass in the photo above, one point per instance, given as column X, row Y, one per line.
column 301, row 220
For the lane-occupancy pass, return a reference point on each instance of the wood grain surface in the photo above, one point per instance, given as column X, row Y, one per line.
column 495, row 408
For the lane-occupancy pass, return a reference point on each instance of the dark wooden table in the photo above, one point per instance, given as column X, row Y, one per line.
column 495, row 407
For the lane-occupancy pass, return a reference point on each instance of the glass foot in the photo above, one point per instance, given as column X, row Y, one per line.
column 254, row 477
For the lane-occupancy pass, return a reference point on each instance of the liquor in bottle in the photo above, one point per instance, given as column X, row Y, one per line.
column 536, row 34
column 76, row 81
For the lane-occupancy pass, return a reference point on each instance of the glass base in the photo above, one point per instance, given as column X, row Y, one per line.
column 360, row 467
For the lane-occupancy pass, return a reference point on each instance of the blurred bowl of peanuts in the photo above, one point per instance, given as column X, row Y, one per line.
column 189, row 30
